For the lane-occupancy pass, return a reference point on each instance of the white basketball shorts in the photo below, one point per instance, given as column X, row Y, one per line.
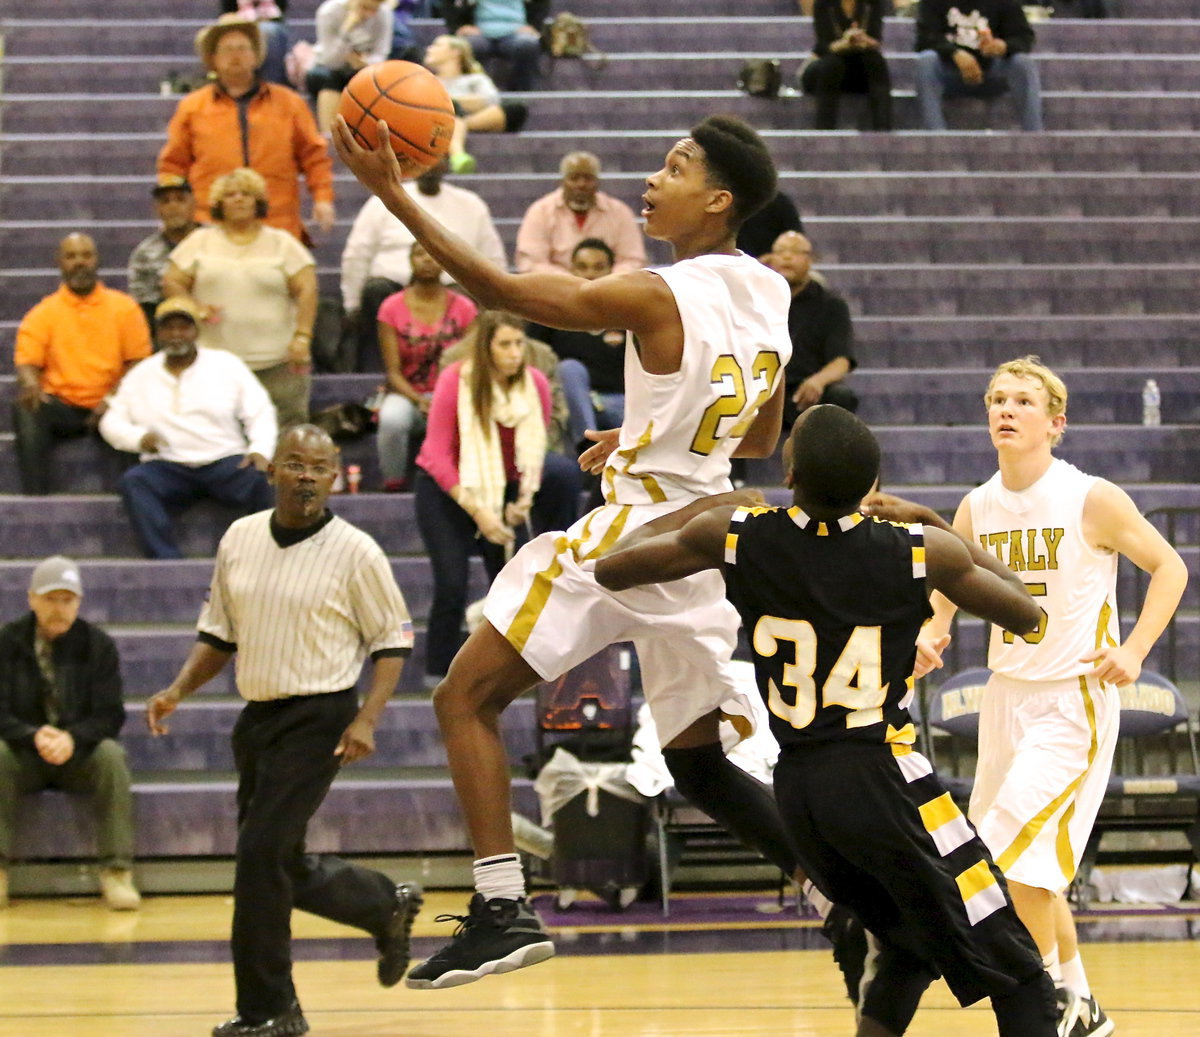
column 547, row 604
column 1045, row 753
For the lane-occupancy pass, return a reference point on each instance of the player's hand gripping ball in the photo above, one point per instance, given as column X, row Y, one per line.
column 414, row 104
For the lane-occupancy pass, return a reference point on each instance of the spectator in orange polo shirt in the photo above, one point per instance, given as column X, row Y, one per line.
column 239, row 120
column 73, row 348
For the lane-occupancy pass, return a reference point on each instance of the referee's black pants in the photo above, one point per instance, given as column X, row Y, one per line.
column 284, row 756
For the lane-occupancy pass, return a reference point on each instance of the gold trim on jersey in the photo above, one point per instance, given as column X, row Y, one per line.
column 1062, row 842
column 630, row 455
column 980, row 892
column 803, row 520
column 1103, row 637
column 918, row 562
column 945, row 824
column 731, row 548
column 521, row 627
column 611, row 536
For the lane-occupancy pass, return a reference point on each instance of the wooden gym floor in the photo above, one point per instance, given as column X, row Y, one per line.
column 728, row 966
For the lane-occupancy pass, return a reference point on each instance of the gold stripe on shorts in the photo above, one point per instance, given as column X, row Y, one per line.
column 1031, row 830
column 522, row 625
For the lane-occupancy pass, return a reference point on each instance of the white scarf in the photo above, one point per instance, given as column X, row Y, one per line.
column 480, row 461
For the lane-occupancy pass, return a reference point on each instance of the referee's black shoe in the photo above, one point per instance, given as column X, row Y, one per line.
column 494, row 936
column 393, row 943
column 290, row 1023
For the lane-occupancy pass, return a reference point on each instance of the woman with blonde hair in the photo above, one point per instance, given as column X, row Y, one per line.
column 257, row 287
column 476, row 100
column 479, row 468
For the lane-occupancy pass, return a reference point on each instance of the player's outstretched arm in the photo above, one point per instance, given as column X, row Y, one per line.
column 674, row 545
column 992, row 593
column 638, row 301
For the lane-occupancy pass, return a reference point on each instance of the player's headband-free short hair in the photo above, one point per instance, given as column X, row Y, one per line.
column 738, row 161
column 835, row 458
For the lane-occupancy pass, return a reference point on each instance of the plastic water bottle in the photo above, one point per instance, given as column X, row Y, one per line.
column 1151, row 403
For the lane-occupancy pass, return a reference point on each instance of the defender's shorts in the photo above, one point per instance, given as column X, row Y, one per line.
column 1045, row 753
column 547, row 604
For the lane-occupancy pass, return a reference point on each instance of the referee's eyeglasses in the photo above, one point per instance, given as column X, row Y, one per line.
column 317, row 471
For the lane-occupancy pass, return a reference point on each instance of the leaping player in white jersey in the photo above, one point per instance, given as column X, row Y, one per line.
column 1051, row 711
column 704, row 367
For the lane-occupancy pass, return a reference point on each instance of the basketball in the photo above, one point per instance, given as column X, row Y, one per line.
column 414, row 104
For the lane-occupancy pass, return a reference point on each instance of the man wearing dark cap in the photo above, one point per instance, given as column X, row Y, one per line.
column 175, row 206
column 202, row 424
column 60, row 713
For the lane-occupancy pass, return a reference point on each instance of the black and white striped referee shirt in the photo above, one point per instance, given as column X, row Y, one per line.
column 304, row 617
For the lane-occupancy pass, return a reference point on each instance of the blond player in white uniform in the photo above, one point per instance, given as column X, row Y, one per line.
column 1051, row 712
column 707, row 345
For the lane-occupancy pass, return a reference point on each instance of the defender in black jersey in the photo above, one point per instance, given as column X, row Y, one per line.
column 832, row 602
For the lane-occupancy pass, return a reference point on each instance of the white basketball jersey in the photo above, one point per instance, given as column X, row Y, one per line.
column 680, row 429
column 1038, row 533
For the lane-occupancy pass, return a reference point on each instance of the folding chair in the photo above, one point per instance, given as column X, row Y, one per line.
column 1155, row 780
column 953, row 711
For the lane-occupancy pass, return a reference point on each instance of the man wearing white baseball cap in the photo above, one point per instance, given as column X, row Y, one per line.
column 61, row 709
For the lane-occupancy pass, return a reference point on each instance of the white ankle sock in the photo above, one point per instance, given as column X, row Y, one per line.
column 500, row 877
column 1053, row 967
column 1075, row 977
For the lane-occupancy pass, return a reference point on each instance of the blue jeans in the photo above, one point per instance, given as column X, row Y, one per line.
column 582, row 414
column 399, row 421
column 938, row 79
column 521, row 52
column 153, row 490
column 450, row 538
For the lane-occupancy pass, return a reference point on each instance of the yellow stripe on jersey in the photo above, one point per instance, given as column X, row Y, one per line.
column 611, row 535
column 649, row 483
column 731, row 548
column 1062, row 845
column 918, row 559
column 945, row 824
column 906, row 735
column 1031, row 830
column 1103, row 637
column 848, row 522
column 522, row 625
column 938, row 812
column 980, row 892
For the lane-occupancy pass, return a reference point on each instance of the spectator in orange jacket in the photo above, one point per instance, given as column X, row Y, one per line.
column 239, row 120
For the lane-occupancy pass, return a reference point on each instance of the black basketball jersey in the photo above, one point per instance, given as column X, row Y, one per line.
column 832, row 611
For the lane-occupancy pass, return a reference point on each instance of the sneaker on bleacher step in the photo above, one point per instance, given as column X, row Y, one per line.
column 118, row 890
column 495, row 936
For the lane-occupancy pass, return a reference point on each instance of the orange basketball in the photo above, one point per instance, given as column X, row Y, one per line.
column 414, row 104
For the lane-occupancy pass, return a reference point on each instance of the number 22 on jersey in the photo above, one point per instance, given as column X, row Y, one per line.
column 732, row 400
column 854, row 681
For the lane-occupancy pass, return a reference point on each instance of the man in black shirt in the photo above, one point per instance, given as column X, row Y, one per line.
column 591, row 363
column 822, row 336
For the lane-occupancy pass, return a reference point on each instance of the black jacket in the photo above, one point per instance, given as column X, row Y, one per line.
column 88, row 676
column 1006, row 19
column 462, row 12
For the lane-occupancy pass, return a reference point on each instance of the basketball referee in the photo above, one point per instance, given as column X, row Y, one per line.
column 302, row 597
